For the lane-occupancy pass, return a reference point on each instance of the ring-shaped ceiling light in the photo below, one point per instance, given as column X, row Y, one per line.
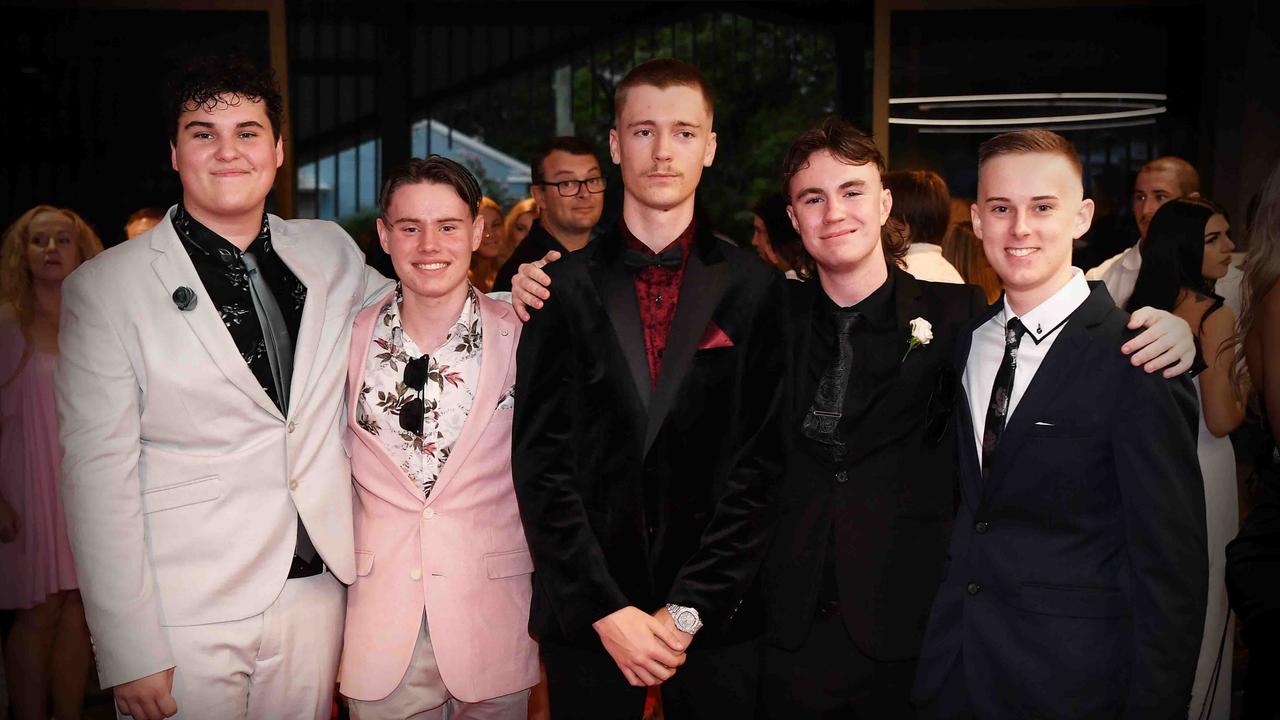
column 1087, row 111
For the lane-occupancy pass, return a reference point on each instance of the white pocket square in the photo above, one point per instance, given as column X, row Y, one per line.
column 1044, row 424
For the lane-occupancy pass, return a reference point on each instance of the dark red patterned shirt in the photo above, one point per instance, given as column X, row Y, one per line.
column 657, row 292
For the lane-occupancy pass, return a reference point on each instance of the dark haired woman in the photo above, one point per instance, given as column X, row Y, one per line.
column 774, row 238
column 1187, row 250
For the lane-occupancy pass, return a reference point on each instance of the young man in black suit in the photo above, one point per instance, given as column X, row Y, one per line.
column 870, row 489
column 1078, row 569
column 647, row 436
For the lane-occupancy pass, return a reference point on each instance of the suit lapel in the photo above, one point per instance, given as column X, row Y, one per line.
column 294, row 255
column 970, row 462
column 498, row 328
column 174, row 269
column 706, row 277
column 1055, row 373
column 361, row 337
column 617, row 290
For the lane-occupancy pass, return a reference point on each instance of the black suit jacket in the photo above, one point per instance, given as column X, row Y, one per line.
column 891, row 511
column 638, row 497
column 537, row 243
column 1079, row 569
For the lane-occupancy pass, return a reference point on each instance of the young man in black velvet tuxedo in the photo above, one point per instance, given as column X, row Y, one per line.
column 647, row 436
column 869, row 494
column 1078, row 568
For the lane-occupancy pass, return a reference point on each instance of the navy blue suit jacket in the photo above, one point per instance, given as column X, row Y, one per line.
column 1078, row 569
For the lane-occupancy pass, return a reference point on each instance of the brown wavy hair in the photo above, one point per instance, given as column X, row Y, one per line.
column 1261, row 267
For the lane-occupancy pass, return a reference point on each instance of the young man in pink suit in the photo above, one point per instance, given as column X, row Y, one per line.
column 437, row 617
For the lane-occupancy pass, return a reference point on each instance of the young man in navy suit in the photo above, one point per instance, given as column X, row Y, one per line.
column 1077, row 574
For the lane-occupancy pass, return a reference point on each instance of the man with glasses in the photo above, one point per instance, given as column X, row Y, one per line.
column 437, row 616
column 569, row 189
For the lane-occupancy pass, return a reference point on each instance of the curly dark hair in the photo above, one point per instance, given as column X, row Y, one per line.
column 204, row 78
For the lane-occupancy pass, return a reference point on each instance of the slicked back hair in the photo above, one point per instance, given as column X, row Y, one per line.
column 435, row 169
column 662, row 73
column 205, row 79
column 1032, row 140
column 564, row 143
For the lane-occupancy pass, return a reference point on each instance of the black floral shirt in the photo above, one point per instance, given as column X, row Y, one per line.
column 222, row 272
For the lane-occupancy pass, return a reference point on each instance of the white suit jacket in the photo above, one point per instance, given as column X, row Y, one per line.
column 181, row 480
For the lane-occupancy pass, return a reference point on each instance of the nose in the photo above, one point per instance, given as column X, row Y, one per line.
column 582, row 190
column 1230, row 246
column 834, row 214
column 662, row 148
column 1020, row 228
column 226, row 149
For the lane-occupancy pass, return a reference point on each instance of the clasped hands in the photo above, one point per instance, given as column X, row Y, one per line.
column 647, row 648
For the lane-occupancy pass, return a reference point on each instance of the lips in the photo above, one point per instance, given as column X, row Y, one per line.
column 1021, row 252
column 431, row 266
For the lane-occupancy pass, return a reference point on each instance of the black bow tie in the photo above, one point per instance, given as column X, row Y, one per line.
column 641, row 259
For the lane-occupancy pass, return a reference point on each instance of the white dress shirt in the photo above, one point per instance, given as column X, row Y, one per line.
column 1119, row 273
column 925, row 262
column 987, row 352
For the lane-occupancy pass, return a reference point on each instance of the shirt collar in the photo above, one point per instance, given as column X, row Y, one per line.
column 199, row 239
column 467, row 317
column 878, row 308
column 631, row 242
column 1048, row 316
column 918, row 248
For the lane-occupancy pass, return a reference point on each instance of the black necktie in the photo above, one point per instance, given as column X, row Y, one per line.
column 823, row 419
column 640, row 259
column 1001, row 392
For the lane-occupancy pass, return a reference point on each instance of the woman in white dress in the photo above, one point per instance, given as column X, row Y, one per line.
column 1187, row 250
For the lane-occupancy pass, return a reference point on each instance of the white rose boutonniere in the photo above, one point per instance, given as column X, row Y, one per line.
column 921, row 334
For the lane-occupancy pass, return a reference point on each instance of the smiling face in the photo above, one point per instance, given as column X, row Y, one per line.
column 494, row 237
column 1217, row 249
column 226, row 156
column 662, row 141
column 1030, row 208
column 838, row 210
column 52, row 252
column 430, row 234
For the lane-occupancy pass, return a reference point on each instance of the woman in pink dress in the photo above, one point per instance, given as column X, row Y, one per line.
column 47, row 651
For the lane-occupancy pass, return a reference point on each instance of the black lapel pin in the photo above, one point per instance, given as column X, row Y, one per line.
column 185, row 298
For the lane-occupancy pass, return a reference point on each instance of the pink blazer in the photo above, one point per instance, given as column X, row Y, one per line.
column 461, row 554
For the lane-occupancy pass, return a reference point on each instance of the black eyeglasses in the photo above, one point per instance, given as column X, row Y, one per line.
column 569, row 188
column 412, row 413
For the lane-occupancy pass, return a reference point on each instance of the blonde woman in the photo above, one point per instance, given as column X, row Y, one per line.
column 47, row 653
column 519, row 221
column 487, row 258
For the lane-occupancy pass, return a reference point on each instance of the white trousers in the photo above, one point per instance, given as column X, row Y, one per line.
column 280, row 665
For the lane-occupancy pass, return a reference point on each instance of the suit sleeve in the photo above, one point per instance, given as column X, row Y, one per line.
column 717, row 576
column 99, row 419
column 568, row 559
column 1154, row 440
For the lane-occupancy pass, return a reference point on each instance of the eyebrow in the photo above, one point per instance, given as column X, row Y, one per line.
column 209, row 125
column 1037, row 198
column 677, row 123
column 594, row 169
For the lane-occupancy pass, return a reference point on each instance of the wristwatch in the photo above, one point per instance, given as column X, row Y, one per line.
column 687, row 618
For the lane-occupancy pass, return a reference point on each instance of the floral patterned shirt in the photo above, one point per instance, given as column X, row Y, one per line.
column 453, row 370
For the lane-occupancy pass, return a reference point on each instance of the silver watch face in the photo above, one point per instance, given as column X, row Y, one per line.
column 687, row 620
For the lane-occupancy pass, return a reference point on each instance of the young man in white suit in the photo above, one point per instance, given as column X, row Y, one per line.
column 199, row 392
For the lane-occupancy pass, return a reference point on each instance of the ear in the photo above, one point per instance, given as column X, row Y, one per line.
column 1084, row 219
column 791, row 214
column 536, row 191
column 173, row 155
column 886, row 204
column 615, row 152
column 279, row 152
column 383, row 232
column 477, row 232
column 976, row 219
column 709, row 155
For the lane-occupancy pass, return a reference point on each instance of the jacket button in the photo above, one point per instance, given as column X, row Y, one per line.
column 293, row 484
column 982, row 527
column 429, row 513
column 973, row 588
column 652, row 530
column 415, row 574
column 842, row 477
column 292, row 426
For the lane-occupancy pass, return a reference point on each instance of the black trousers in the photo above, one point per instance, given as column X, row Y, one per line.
column 827, row 677
column 714, row 683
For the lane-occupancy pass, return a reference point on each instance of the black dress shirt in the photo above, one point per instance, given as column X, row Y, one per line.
column 877, row 352
column 222, row 272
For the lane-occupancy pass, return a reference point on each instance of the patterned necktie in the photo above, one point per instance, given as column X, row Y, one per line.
column 823, row 419
column 1001, row 392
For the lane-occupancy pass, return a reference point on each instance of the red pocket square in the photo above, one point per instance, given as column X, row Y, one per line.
column 714, row 337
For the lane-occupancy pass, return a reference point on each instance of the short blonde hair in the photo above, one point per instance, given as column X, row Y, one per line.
column 1033, row 140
